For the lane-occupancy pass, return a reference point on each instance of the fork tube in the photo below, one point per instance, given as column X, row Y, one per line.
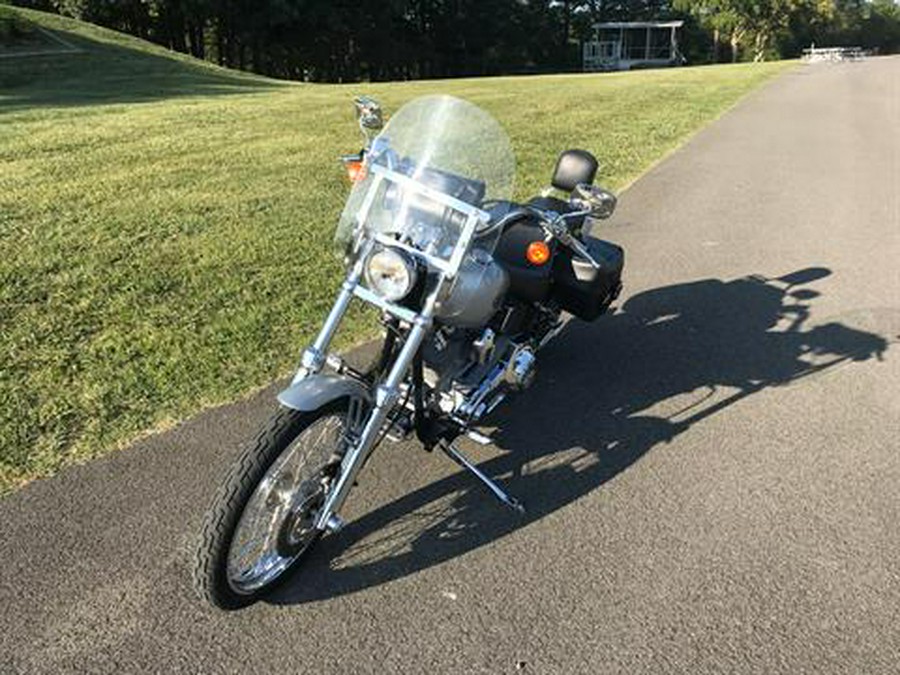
column 333, row 320
column 386, row 395
column 314, row 356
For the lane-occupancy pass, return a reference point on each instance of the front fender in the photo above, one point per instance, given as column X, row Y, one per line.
column 315, row 391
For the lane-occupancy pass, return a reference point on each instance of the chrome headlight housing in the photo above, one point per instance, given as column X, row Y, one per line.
column 390, row 273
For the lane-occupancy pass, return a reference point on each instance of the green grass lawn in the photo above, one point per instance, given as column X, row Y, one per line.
column 165, row 225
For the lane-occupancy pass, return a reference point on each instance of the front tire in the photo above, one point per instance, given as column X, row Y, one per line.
column 262, row 520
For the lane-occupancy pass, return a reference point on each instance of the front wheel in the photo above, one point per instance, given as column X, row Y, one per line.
column 262, row 520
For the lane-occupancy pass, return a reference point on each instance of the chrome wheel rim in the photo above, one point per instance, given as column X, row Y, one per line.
column 278, row 522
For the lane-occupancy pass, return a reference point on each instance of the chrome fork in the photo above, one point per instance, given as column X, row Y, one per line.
column 388, row 392
column 386, row 395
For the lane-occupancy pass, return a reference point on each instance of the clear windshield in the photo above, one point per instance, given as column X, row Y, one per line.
column 430, row 177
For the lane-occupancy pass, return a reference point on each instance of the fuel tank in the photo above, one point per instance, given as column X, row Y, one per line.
column 476, row 294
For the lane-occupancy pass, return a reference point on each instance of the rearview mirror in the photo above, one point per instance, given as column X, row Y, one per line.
column 599, row 202
column 369, row 115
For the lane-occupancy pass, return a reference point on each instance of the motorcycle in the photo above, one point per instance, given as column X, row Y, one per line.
column 469, row 286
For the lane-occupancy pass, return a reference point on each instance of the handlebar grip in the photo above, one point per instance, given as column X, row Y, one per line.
column 580, row 249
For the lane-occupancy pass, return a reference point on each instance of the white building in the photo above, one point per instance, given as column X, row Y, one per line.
column 622, row 45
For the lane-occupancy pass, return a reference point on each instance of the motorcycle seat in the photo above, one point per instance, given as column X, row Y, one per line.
column 551, row 204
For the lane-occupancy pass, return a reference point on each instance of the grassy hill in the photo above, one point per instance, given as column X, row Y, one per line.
column 75, row 63
column 165, row 224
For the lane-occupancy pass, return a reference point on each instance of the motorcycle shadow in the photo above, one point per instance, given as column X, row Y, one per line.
column 606, row 393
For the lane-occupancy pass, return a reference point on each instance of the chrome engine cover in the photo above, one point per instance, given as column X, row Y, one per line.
column 476, row 294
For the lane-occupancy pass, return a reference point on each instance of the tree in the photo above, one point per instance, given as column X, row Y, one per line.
column 353, row 40
column 721, row 18
column 759, row 20
column 881, row 26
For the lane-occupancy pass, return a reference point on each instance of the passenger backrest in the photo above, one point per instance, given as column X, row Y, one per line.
column 574, row 167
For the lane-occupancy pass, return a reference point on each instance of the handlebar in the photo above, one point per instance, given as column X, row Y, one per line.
column 555, row 225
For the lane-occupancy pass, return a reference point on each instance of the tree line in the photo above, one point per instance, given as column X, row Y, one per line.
column 353, row 40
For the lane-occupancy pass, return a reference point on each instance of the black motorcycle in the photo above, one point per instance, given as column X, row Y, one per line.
column 470, row 285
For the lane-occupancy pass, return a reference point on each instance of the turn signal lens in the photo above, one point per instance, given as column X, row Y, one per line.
column 356, row 171
column 538, row 253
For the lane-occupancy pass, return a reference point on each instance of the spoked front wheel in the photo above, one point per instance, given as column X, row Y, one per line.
column 262, row 520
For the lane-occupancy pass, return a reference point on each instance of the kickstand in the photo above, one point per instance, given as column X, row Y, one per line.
column 451, row 451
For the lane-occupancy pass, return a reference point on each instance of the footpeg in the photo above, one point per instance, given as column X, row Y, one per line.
column 481, row 439
column 488, row 482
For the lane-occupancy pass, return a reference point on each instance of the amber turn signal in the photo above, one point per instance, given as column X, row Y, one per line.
column 538, row 253
column 356, row 171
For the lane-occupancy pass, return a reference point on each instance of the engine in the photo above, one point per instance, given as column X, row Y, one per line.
column 472, row 369
column 477, row 293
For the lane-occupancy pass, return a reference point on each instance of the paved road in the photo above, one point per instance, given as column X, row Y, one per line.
column 711, row 473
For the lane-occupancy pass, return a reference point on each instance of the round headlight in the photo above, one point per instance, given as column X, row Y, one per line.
column 390, row 274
